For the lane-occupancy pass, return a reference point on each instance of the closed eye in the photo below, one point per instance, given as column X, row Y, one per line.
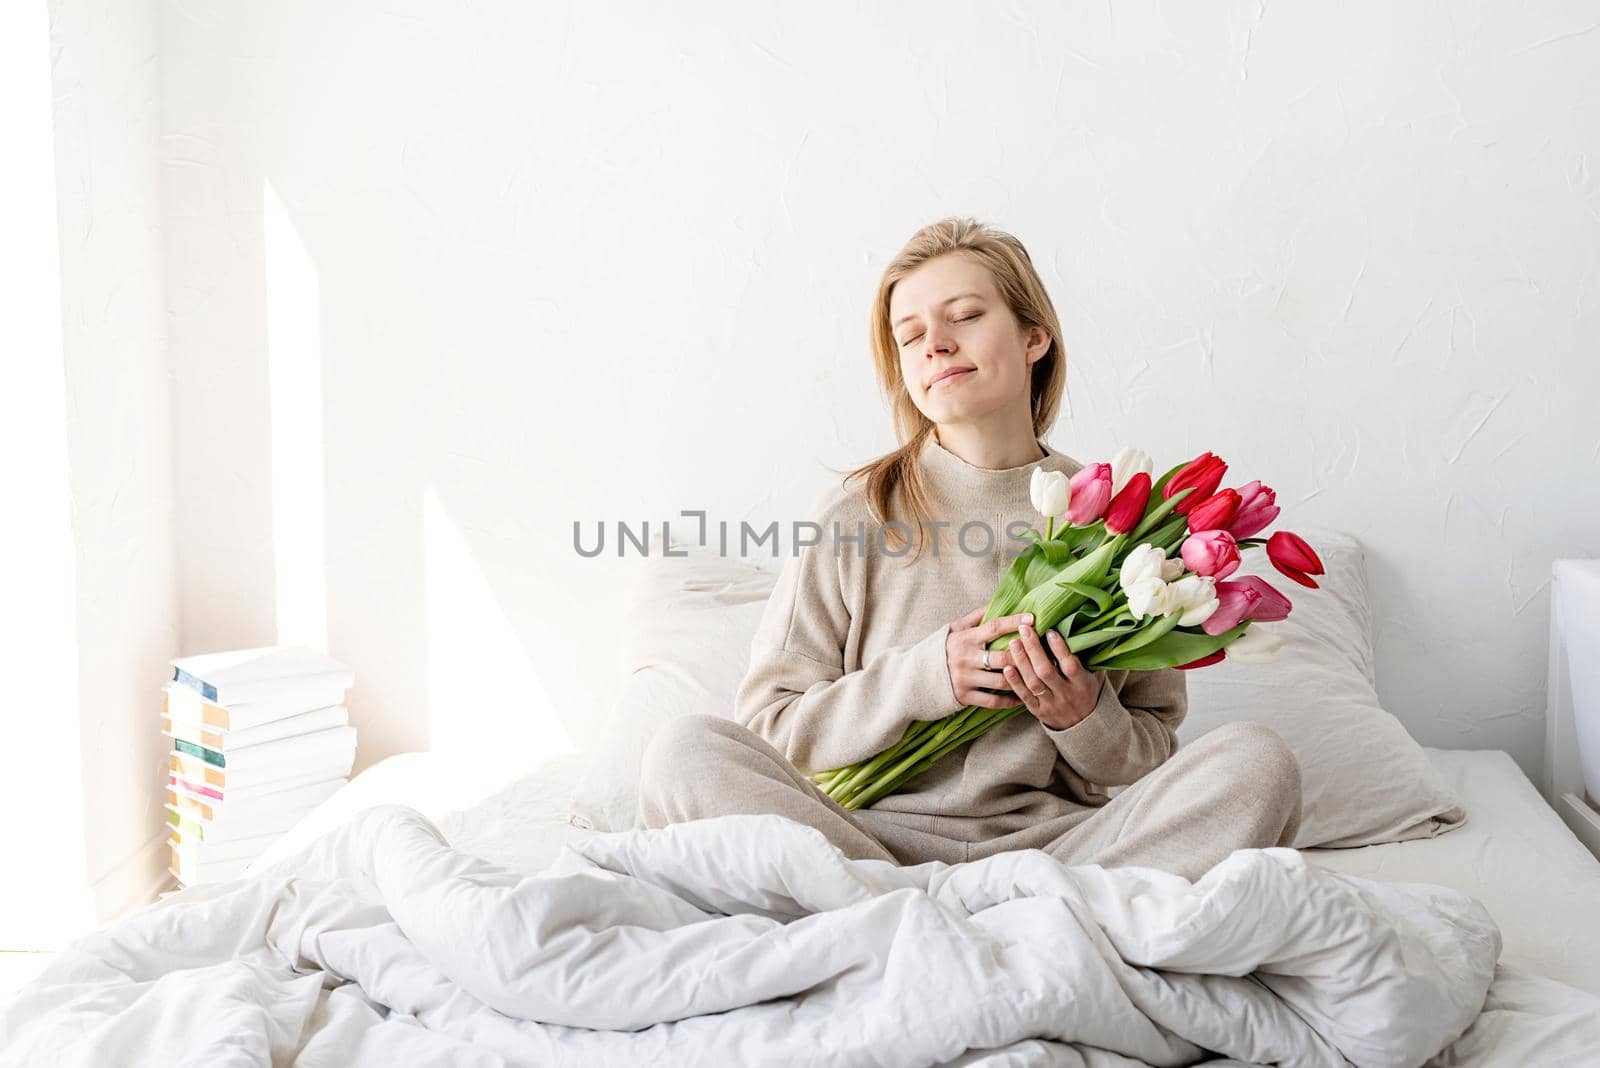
column 963, row 319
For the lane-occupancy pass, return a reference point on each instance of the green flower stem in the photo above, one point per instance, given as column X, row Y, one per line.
column 930, row 741
column 825, row 779
column 978, row 725
column 951, row 725
column 972, row 726
column 857, row 773
column 862, row 772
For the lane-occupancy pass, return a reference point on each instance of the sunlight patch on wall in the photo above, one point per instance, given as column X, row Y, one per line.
column 44, row 903
column 484, row 696
column 294, row 368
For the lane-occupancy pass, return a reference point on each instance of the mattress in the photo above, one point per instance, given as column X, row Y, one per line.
column 1513, row 853
column 517, row 822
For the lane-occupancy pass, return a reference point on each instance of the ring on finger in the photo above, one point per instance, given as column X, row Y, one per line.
column 986, row 666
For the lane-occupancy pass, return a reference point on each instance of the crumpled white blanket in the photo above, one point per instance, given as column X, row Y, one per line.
column 744, row 940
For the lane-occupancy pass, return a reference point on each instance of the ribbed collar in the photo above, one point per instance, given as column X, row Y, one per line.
column 968, row 491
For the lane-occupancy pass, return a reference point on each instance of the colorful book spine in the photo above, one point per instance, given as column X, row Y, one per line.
column 260, row 738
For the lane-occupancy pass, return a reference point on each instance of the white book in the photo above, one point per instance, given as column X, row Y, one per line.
column 268, row 823
column 192, row 873
column 206, row 776
column 220, row 821
column 201, row 849
column 227, row 741
column 255, row 792
column 288, row 754
column 186, row 705
column 244, row 675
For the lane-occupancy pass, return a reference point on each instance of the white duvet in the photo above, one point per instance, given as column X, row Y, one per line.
column 748, row 940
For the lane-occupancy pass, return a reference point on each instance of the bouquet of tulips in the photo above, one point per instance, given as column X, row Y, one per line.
column 1133, row 579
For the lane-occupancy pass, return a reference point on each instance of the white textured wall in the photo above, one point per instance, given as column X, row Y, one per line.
column 105, row 69
column 38, row 635
column 611, row 261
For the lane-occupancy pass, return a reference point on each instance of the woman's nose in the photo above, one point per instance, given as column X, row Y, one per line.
column 938, row 342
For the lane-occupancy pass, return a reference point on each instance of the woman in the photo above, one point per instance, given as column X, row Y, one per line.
column 859, row 638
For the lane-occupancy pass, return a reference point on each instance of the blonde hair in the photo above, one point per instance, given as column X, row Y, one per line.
column 1011, row 268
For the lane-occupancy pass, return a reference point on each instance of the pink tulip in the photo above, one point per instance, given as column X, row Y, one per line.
column 1257, row 508
column 1091, row 492
column 1211, row 552
column 1126, row 509
column 1215, row 512
column 1236, row 602
column 1274, row 605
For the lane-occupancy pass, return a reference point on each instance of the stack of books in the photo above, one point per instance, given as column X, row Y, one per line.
column 259, row 738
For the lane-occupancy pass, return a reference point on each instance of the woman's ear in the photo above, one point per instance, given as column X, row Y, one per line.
column 1038, row 344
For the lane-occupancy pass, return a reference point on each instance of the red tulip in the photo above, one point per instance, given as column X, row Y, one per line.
column 1203, row 474
column 1210, row 658
column 1236, row 603
column 1211, row 552
column 1291, row 555
column 1273, row 605
column 1257, row 508
column 1215, row 512
column 1126, row 509
column 1091, row 492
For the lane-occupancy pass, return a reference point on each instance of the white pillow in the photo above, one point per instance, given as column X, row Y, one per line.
column 690, row 621
column 688, row 625
column 1364, row 778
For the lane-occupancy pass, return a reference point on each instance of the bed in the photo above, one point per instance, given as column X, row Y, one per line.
column 1540, row 885
column 1513, row 853
column 432, row 913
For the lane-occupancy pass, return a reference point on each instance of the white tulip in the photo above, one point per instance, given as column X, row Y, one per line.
column 1150, row 596
column 1145, row 561
column 1051, row 492
column 1197, row 596
column 1256, row 645
column 1128, row 462
column 1172, row 569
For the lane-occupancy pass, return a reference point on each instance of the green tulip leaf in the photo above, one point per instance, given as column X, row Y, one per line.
column 1100, row 597
column 1089, row 639
column 1171, row 649
column 1013, row 586
column 1056, row 552
column 1161, row 483
column 1157, row 514
column 1152, row 630
column 1090, row 568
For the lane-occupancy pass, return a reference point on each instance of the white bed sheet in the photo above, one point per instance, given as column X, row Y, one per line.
column 1513, row 852
column 1515, row 855
column 516, row 820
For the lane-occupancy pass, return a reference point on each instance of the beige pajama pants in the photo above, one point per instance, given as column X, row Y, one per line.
column 1235, row 787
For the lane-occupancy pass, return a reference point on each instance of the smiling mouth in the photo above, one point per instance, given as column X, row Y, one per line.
column 951, row 376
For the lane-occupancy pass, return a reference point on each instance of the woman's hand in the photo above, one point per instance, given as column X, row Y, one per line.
column 969, row 640
column 1059, row 697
